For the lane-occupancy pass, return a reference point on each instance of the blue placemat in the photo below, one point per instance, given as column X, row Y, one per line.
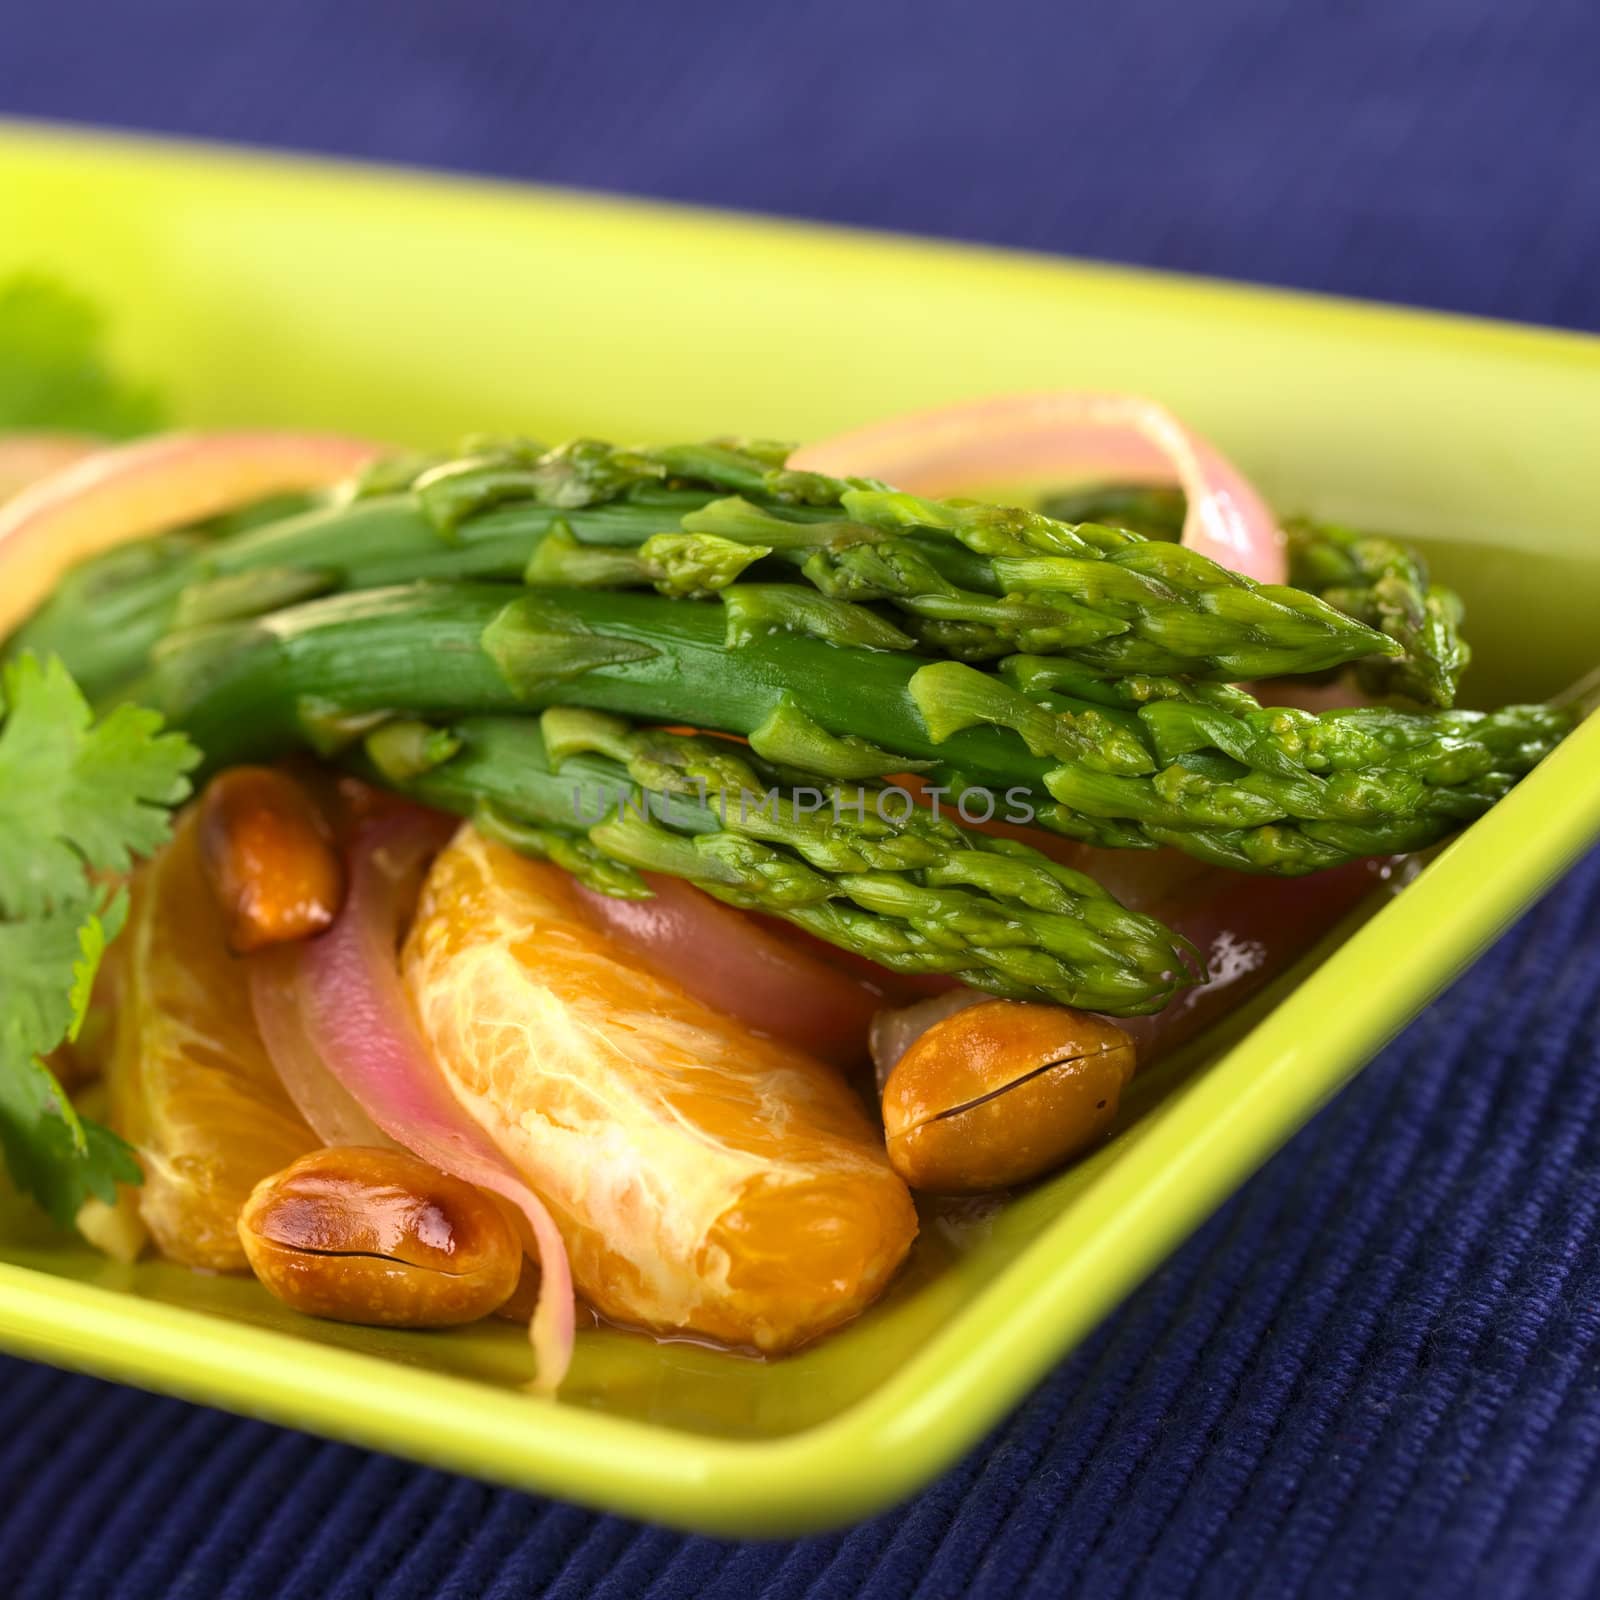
column 1377, row 1371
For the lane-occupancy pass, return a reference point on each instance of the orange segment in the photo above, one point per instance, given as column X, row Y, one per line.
column 191, row 1086
column 705, row 1178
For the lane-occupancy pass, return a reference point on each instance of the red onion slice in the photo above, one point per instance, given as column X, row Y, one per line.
column 350, row 1007
column 1249, row 929
column 740, row 967
column 128, row 491
column 332, row 1111
column 26, row 457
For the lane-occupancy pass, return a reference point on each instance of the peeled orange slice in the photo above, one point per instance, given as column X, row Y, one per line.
column 705, row 1179
column 190, row 1084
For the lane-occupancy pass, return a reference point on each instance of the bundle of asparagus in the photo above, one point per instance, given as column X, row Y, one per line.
column 1124, row 762
column 1078, row 672
column 974, row 581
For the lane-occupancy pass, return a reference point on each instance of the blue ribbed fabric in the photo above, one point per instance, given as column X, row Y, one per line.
column 1377, row 1370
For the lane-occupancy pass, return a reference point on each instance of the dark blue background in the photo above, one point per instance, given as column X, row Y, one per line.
column 1377, row 1371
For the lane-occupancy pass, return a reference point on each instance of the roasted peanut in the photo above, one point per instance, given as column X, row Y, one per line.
column 379, row 1237
column 1002, row 1092
column 269, row 857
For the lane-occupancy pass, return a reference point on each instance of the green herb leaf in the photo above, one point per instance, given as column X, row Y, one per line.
column 76, row 798
column 53, row 372
column 73, row 792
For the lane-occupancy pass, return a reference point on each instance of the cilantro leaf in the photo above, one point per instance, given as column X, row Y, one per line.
column 52, row 1155
column 75, row 793
column 76, row 798
column 40, row 1010
column 53, row 373
column 49, row 1151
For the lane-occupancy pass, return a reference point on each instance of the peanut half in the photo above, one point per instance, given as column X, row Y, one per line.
column 1002, row 1092
column 269, row 858
column 379, row 1237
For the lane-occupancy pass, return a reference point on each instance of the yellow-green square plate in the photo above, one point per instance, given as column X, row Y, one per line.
column 417, row 308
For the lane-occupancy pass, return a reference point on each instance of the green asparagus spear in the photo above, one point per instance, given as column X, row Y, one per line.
column 856, row 864
column 976, row 581
column 1385, row 584
column 1376, row 580
column 1110, row 761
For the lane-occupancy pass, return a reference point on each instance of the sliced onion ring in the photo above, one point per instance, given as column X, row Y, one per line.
column 1080, row 435
column 27, row 457
column 128, row 491
column 351, row 1008
column 333, row 1112
column 741, row 967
